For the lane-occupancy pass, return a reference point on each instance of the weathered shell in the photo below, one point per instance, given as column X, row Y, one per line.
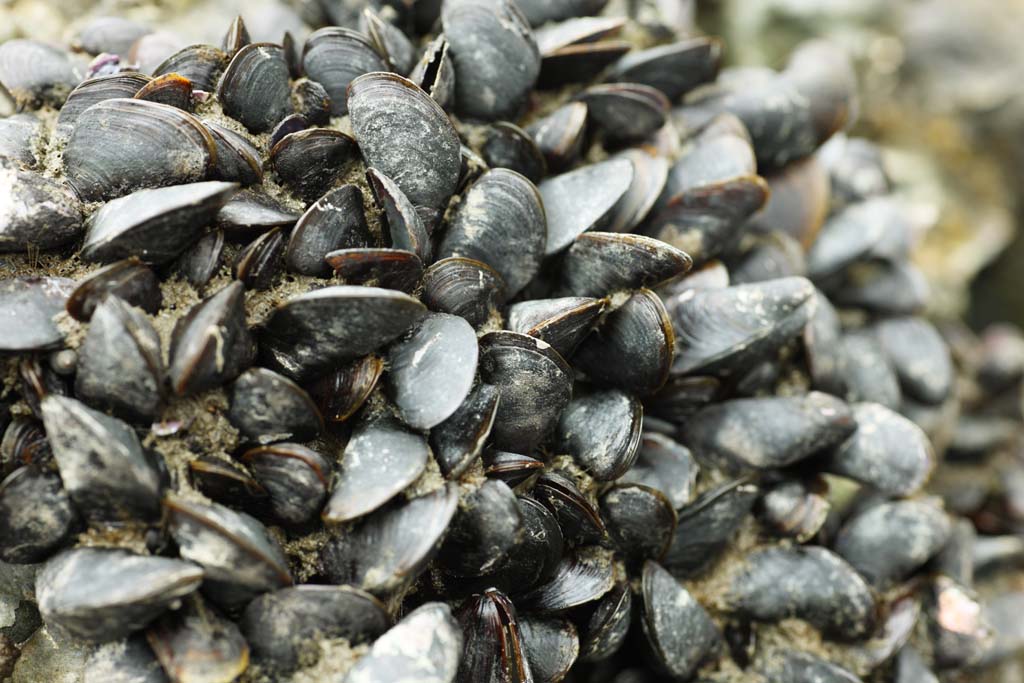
column 21, row 138
column 389, row 40
column 168, row 147
column 562, row 322
column 606, row 630
column 120, row 367
column 406, row 135
column 306, row 612
column 335, row 324
column 196, row 644
column 335, row 57
column 254, row 88
column 919, row 356
column 495, row 55
column 26, row 535
column 640, row 520
column 559, row 135
column 633, row 348
column 37, row 212
column 577, row 201
column 101, row 462
column 381, row 458
column 485, row 529
column 794, row 508
column 602, row 432
column 707, row 525
column 97, row 89
column 256, row 265
column 211, row 344
column 866, row 372
column 155, row 225
column 509, row 146
column 534, row 382
column 267, row 407
column 551, row 646
column 200, row 262
column 802, row 666
column 310, row 161
column 36, row 74
column 664, row 465
column 124, row 661
column 238, row 160
column 311, row 101
column 678, row 629
column 426, row 646
column 500, row 222
column 599, row 263
column 101, row 594
column 463, row 287
column 435, row 72
column 32, row 302
column 128, row 280
column 335, row 221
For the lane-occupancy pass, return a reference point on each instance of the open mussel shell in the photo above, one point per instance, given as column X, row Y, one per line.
column 211, row 344
column 560, row 135
column 36, row 74
column 769, row 432
column 255, row 89
column 305, row 612
column 154, row 225
column 485, row 529
column 237, row 159
column 887, row 452
column 625, row 112
column 458, row 441
column 431, row 371
column 267, row 407
column 425, row 646
column 495, row 55
column 601, row 431
column 666, row 466
column 435, row 72
column 406, row 135
column 101, row 462
column 577, row 201
column 640, row 520
column 102, row 594
column 679, row 631
column 578, row 519
column 534, row 383
column 201, row 64
column 239, row 558
column 128, row 280
column 171, row 89
column 509, row 146
column 223, row 481
column 562, row 322
column 582, row 576
column 599, row 263
column 390, row 548
column 674, row 69
column 33, row 302
column 810, row 583
column 706, row 526
column 888, row 541
column 334, row 57
column 120, row 367
column 26, row 536
column 335, row 221
column 463, row 287
column 395, row 269
column 404, row 225
column 494, row 649
column 257, row 263
column 196, row 643
column 98, row 89
column 33, row 202
column 296, row 479
column 919, row 356
column 167, row 147
column 723, row 331
column 632, row 349
column 500, row 222
column 310, row 161
column 327, row 326
column 380, row 460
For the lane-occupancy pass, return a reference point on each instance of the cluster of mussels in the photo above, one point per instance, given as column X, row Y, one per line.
column 318, row 367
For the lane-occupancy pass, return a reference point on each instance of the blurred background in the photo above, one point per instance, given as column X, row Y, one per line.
column 940, row 83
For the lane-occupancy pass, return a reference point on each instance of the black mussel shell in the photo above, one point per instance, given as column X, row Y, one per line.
column 335, row 221
column 786, row 667
column 666, row 466
column 340, row 393
column 251, row 212
column 236, row 37
column 310, row 161
column 130, row 659
column 390, row 41
column 463, row 287
column 37, row 213
column 36, row 74
column 238, row 160
column 606, row 629
column 650, row 173
column 404, row 225
column 494, row 651
column 674, row 69
column 511, row 468
column 295, row 478
column 485, row 529
column 582, row 576
column 625, row 112
column 559, row 135
column 201, row 64
column 200, row 262
column 640, row 520
column 577, row 201
column 794, row 509
column 254, row 88
column 334, row 57
column 599, row 263
column 258, row 262
column 551, row 646
column 577, row 517
column 679, row 631
column 866, row 372
column 128, row 280
column 267, row 407
column 919, row 356
column 425, row 646
column 458, row 441
column 171, row 89
column 36, row 515
column 562, row 322
column 195, row 642
column 21, row 138
column 538, row 12
column 311, row 101
column 509, row 146
column 97, row 89
column 33, row 302
column 396, row 269
column 223, row 481
column 601, row 431
column 707, row 525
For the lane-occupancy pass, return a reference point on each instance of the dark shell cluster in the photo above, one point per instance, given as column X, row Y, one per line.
column 483, row 341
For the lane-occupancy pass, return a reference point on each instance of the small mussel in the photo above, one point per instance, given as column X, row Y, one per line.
column 102, row 594
column 334, row 57
column 36, row 201
column 706, row 526
column 128, row 280
column 494, row 651
column 268, row 407
column 679, row 631
column 26, row 534
column 254, row 88
column 33, row 302
column 310, row 161
column 334, row 221
column 296, row 479
column 602, row 432
column 425, row 646
column 36, row 74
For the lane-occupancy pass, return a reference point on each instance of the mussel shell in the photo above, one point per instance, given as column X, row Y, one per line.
column 919, row 356
column 485, row 529
column 256, row 265
column 310, row 161
column 707, row 525
column 200, row 262
column 535, row 384
column 802, row 666
column 171, row 89
column 551, row 646
column 435, row 72
column 21, row 138
column 305, row 612
column 396, row 269
column 458, row 441
column 599, row 263
column 201, row 64
column 674, row 69
column 381, row 459
column 640, row 520
column 625, row 112
column 581, row 577
column 632, row 349
column 538, row 12
column 124, row 661
column 335, row 221
column 97, row 89
column 154, row 225
column 36, row 74
column 602, row 432
column 606, row 630
column 390, row 548
column 426, row 646
column 500, row 222
column 794, row 508
column 254, row 88
column 195, row 643
column 650, row 173
column 495, row 55
column 102, row 594
column 311, row 101
column 27, row 535
column 334, row 57
column 578, row 519
column 113, row 35
column 559, row 135
column 664, row 465
column 389, row 40
column 37, row 212
column 509, row 146
column 296, row 479
column 867, row 374
column 237, row 159
column 266, row 407
column 554, row 36
column 128, row 280
column 494, row 649
column 678, row 629
column 536, row 553
column 562, row 322
column 463, row 287
column 404, row 225
column 236, row 37
column 225, row 482
column 167, row 147
column 511, row 468
column 579, row 63
column 406, row 135
column 798, row 203
column 335, row 324
column 577, row 201
column 33, row 302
